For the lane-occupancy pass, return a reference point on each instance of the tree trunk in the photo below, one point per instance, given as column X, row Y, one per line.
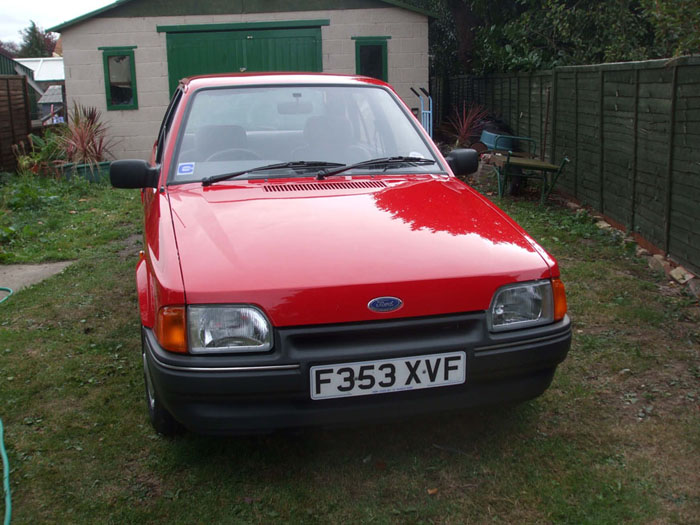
column 466, row 22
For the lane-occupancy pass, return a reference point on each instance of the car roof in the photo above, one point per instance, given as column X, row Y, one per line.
column 275, row 79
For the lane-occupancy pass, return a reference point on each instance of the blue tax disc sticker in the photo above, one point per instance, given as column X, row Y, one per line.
column 185, row 168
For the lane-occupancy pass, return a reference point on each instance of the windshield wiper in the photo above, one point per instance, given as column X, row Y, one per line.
column 381, row 161
column 208, row 181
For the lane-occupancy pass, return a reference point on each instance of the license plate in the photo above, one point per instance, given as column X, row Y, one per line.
column 388, row 375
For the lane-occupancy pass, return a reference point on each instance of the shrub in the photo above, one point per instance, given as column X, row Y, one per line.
column 467, row 124
column 82, row 141
column 45, row 155
column 85, row 138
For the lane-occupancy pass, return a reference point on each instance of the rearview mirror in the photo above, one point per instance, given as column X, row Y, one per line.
column 463, row 161
column 133, row 174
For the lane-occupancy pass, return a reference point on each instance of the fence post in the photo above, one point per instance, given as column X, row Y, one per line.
column 601, row 153
column 576, row 134
column 517, row 105
column 669, row 173
column 510, row 99
column 529, row 104
column 12, row 120
column 25, row 94
column 541, row 79
column 553, row 160
column 634, row 148
column 445, row 96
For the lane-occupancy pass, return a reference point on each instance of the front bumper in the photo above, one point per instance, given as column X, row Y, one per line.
column 265, row 392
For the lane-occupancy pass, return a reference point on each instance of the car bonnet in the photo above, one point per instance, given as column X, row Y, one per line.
column 313, row 252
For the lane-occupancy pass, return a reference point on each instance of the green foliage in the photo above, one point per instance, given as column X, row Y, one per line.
column 85, row 139
column 512, row 35
column 676, row 25
column 45, row 154
column 467, row 124
column 552, row 33
column 36, row 42
column 443, row 39
column 43, row 219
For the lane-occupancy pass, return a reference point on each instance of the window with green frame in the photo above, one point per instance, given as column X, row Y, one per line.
column 120, row 77
column 371, row 58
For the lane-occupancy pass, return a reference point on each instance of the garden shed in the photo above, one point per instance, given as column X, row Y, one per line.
column 127, row 58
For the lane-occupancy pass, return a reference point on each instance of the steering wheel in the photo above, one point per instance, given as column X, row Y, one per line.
column 233, row 154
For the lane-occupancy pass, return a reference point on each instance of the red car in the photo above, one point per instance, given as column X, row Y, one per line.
column 311, row 259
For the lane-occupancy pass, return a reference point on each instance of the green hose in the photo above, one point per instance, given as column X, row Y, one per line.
column 3, row 452
column 9, row 293
column 5, row 477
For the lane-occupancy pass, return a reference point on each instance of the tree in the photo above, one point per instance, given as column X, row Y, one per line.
column 676, row 25
column 36, row 42
column 9, row 49
column 550, row 33
column 483, row 36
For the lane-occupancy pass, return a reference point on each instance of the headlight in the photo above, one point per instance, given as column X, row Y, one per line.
column 228, row 329
column 521, row 305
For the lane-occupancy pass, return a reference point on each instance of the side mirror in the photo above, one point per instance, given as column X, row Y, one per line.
column 463, row 161
column 133, row 174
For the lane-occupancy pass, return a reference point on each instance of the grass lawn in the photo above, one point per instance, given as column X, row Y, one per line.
column 616, row 439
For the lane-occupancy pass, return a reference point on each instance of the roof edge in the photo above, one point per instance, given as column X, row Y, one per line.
column 64, row 25
column 411, row 7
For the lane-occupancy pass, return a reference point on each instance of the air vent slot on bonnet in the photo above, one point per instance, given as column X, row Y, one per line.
column 325, row 186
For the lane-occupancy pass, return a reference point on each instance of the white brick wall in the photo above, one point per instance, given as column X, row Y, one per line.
column 135, row 131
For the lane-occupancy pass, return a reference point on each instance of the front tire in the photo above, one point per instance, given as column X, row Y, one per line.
column 162, row 421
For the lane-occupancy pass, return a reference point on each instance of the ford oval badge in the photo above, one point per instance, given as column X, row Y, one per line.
column 385, row 304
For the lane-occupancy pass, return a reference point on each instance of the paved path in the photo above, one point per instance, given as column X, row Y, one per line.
column 18, row 276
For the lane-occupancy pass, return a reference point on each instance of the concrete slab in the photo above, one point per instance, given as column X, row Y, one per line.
column 18, row 276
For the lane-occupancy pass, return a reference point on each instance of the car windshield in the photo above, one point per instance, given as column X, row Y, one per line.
column 236, row 129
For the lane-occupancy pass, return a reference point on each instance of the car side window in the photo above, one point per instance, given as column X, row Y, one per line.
column 165, row 125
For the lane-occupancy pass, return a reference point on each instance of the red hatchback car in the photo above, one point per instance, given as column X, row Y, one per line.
column 311, row 259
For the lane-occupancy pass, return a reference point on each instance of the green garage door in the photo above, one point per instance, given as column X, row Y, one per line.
column 204, row 52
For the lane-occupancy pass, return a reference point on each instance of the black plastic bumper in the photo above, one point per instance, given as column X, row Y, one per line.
column 259, row 393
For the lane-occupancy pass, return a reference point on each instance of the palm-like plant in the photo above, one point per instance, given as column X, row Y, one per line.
column 85, row 139
column 467, row 123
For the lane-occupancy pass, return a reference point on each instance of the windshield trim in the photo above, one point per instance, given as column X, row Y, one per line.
column 438, row 167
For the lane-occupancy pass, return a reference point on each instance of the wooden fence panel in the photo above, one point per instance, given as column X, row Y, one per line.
column 512, row 95
column 619, row 107
column 631, row 131
column 589, row 138
column 15, row 123
column 684, row 230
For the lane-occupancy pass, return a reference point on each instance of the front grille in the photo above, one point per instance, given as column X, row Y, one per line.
column 326, row 186
column 377, row 339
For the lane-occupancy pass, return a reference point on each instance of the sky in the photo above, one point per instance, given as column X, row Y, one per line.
column 15, row 15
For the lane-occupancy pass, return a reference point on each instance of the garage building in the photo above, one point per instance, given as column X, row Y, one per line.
column 127, row 58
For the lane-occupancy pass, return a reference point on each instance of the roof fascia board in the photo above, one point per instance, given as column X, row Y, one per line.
column 64, row 25
column 411, row 7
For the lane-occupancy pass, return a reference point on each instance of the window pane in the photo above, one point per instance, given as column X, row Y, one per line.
column 120, row 85
column 232, row 129
column 372, row 61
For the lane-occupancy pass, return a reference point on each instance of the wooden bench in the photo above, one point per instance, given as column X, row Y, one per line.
column 504, row 159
